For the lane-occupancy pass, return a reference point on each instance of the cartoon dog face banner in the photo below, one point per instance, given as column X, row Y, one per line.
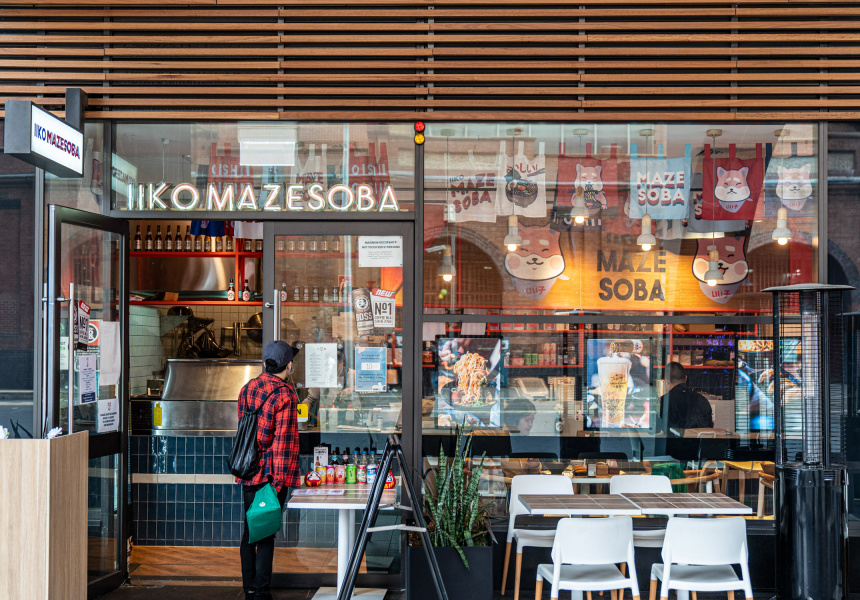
column 598, row 179
column 660, row 186
column 732, row 262
column 521, row 183
column 536, row 265
column 790, row 184
column 731, row 187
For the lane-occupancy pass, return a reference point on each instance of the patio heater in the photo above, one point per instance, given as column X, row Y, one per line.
column 809, row 395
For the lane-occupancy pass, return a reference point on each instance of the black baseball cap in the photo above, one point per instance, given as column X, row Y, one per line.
column 281, row 353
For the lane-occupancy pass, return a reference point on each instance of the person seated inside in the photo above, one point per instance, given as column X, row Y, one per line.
column 683, row 407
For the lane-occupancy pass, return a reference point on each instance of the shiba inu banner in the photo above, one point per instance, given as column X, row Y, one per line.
column 660, row 186
column 521, row 183
column 731, row 187
column 790, row 183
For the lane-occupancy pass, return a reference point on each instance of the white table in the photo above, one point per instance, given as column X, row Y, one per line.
column 688, row 504
column 354, row 498
column 579, row 505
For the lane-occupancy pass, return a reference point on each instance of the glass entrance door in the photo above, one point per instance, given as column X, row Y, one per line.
column 343, row 294
column 87, row 384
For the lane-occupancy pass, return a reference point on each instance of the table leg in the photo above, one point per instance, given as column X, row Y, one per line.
column 345, row 542
column 742, row 480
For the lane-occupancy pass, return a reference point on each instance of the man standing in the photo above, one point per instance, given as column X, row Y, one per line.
column 683, row 408
column 278, row 443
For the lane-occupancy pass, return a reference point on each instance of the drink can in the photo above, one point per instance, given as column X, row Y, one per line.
column 340, row 474
column 362, row 474
column 371, row 474
column 329, row 474
column 363, row 310
column 351, row 474
column 323, row 474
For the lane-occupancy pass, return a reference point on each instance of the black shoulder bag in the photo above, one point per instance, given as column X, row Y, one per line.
column 244, row 459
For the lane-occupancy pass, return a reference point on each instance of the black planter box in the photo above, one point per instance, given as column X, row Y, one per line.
column 475, row 583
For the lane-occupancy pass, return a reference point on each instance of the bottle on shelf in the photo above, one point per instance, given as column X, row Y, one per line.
column 306, row 295
column 138, row 241
column 148, row 243
column 335, row 244
column 323, row 246
column 168, row 241
column 335, row 457
column 189, row 239
column 159, row 241
column 198, row 243
column 329, row 470
column 247, row 245
column 325, row 297
column 316, row 295
column 279, row 244
column 284, row 294
column 312, row 244
column 177, row 242
column 295, row 293
column 228, row 243
column 258, row 246
column 334, row 294
column 207, row 244
column 231, row 291
column 300, row 244
column 291, row 245
column 246, row 292
column 219, row 244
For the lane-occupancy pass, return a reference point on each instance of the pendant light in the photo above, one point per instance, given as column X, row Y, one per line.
column 646, row 239
column 714, row 274
column 446, row 270
column 513, row 239
column 782, row 233
column 579, row 213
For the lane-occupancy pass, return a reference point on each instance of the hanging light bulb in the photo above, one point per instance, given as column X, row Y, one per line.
column 714, row 274
column 446, row 269
column 513, row 239
column 646, row 239
column 782, row 233
column 579, row 212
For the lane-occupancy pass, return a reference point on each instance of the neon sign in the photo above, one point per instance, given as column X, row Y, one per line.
column 274, row 197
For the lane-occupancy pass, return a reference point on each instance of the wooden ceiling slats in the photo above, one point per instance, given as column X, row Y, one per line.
column 438, row 60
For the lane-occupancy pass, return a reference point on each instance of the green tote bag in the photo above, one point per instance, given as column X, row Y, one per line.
column 264, row 514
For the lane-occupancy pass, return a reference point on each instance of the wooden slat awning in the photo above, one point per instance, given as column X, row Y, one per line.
column 437, row 59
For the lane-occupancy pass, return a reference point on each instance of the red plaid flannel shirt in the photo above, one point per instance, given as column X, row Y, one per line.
column 277, row 430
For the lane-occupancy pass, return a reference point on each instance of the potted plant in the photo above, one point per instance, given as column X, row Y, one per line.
column 458, row 526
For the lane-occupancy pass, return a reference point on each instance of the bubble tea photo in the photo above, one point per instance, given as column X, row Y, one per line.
column 613, row 373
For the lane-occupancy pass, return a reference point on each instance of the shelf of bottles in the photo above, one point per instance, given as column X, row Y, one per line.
column 170, row 245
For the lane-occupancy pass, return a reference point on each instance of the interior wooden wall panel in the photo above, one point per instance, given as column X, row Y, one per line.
column 437, row 59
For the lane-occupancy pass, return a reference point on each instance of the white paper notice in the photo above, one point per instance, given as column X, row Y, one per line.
column 88, row 390
column 108, row 415
column 64, row 354
column 320, row 365
column 380, row 251
column 110, row 361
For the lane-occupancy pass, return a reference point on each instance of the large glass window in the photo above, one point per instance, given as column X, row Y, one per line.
column 618, row 217
column 17, row 210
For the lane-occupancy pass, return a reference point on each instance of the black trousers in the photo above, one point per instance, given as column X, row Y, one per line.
column 257, row 558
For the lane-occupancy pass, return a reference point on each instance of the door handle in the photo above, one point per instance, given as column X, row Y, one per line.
column 268, row 305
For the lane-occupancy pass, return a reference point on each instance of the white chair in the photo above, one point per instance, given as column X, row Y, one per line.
column 698, row 555
column 536, row 538
column 643, row 484
column 586, row 554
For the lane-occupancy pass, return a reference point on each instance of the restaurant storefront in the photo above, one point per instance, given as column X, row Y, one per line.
column 392, row 262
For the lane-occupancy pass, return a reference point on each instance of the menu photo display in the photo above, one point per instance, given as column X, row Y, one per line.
column 619, row 392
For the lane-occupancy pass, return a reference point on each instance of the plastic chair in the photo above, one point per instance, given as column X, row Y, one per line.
column 536, row 538
column 691, row 565
column 643, row 484
column 585, row 556
column 704, row 480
